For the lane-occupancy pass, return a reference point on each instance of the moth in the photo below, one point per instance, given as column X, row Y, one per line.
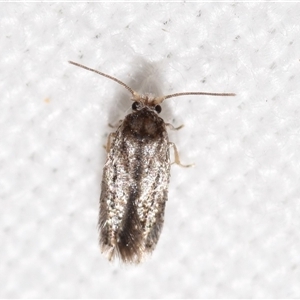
column 136, row 175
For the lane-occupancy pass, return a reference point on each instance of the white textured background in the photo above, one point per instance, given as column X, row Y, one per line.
column 232, row 222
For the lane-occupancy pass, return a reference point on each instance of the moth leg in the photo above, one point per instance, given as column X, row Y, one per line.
column 111, row 135
column 177, row 160
column 109, row 139
column 116, row 125
column 170, row 126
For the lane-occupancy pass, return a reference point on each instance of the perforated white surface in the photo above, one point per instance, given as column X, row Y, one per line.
column 232, row 222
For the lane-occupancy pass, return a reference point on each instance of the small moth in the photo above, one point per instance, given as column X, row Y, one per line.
column 136, row 177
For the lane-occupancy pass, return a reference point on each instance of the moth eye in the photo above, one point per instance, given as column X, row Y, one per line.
column 135, row 105
column 158, row 108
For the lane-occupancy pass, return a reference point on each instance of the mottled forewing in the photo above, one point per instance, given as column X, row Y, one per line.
column 134, row 193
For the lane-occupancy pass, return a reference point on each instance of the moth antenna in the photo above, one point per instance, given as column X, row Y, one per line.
column 159, row 100
column 134, row 93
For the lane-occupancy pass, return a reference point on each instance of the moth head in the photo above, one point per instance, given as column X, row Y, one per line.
column 147, row 100
column 139, row 105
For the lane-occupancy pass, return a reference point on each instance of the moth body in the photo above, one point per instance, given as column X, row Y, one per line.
column 135, row 186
